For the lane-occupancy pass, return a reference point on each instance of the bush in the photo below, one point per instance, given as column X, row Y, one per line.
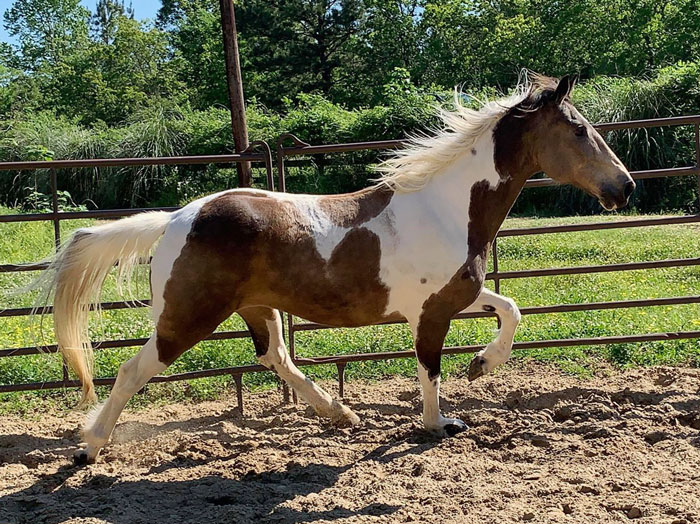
column 164, row 128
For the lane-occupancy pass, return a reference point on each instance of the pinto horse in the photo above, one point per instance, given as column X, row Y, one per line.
column 414, row 247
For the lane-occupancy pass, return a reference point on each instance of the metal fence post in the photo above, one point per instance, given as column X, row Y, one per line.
column 57, row 244
column 292, row 355
column 341, row 379
column 496, row 279
column 697, row 158
column 238, row 379
column 267, row 158
column 234, row 82
column 54, row 209
column 281, row 175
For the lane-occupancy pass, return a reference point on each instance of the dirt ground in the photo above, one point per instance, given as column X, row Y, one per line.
column 542, row 447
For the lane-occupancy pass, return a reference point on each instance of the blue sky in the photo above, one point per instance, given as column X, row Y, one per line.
column 142, row 9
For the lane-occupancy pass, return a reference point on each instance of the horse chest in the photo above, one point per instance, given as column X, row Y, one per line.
column 419, row 261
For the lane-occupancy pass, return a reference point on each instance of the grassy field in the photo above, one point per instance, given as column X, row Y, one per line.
column 31, row 241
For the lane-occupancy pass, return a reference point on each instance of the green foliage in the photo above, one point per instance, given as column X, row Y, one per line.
column 104, row 20
column 328, row 71
column 47, row 30
column 36, row 201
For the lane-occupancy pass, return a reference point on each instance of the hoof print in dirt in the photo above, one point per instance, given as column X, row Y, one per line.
column 455, row 427
column 81, row 458
column 476, row 368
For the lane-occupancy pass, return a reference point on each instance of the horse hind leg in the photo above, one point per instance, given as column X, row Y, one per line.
column 265, row 325
column 190, row 313
column 132, row 376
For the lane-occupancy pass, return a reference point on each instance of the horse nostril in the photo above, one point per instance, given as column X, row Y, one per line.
column 629, row 187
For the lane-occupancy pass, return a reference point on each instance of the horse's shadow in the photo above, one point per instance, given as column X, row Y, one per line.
column 14, row 446
column 255, row 497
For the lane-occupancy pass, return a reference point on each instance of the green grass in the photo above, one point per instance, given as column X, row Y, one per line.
column 21, row 242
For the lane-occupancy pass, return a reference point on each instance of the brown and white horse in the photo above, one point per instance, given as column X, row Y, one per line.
column 412, row 247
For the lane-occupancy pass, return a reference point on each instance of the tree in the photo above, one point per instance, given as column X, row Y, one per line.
column 104, row 20
column 112, row 81
column 295, row 46
column 195, row 35
column 173, row 11
column 389, row 38
column 47, row 30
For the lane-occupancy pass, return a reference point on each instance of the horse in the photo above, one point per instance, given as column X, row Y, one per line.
column 411, row 247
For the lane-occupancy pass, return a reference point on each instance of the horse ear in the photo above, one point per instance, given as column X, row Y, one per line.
column 564, row 88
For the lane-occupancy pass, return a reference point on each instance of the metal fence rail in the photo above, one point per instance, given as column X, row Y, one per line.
column 302, row 149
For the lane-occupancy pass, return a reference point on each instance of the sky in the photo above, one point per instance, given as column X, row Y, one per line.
column 142, row 9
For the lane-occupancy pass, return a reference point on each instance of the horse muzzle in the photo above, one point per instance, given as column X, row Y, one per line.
column 616, row 195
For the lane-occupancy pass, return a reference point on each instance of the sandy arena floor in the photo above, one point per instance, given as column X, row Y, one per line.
column 542, row 447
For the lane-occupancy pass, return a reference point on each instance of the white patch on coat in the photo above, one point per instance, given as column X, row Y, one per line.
column 422, row 235
column 498, row 351
column 327, row 235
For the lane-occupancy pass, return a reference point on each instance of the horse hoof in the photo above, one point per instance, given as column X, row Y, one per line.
column 81, row 458
column 344, row 417
column 455, row 427
column 476, row 368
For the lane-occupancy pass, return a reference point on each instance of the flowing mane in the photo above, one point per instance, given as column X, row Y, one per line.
column 412, row 167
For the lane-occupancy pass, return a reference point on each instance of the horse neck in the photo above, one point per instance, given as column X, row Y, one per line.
column 471, row 192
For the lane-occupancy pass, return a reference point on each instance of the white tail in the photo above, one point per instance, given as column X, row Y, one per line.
column 76, row 275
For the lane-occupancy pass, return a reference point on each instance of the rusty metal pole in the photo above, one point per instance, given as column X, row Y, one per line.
column 235, row 88
column 697, row 158
column 57, row 245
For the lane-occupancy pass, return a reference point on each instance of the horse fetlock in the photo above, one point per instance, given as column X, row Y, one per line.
column 86, row 455
column 446, row 427
column 486, row 360
column 94, row 436
column 477, row 367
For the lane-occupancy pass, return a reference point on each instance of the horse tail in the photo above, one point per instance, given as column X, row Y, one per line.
column 76, row 275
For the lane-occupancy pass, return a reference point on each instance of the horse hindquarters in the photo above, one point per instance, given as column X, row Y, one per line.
column 188, row 305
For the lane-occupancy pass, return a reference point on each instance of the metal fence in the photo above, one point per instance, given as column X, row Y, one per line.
column 299, row 148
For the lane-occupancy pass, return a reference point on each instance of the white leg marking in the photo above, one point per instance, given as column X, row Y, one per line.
column 132, row 376
column 432, row 418
column 278, row 359
column 498, row 351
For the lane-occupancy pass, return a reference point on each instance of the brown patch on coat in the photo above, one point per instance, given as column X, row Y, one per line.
column 440, row 307
column 245, row 251
column 256, row 319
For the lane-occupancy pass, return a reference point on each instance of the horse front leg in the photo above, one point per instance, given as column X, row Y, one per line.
column 429, row 338
column 498, row 351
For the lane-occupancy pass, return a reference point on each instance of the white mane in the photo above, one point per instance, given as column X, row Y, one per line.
column 412, row 167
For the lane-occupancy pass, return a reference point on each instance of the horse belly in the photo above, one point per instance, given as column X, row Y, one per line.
column 340, row 289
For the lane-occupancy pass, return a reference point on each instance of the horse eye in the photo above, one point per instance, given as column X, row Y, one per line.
column 581, row 130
